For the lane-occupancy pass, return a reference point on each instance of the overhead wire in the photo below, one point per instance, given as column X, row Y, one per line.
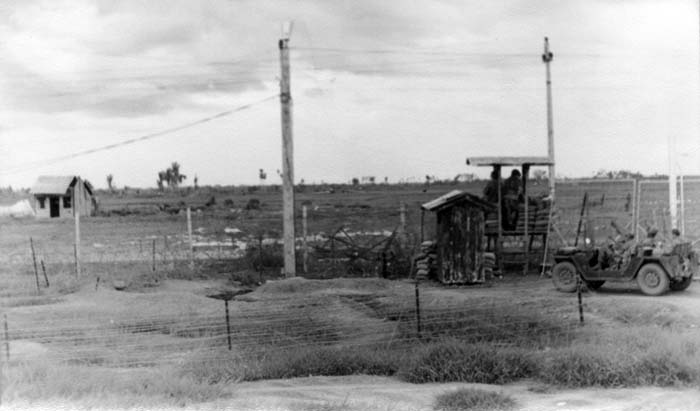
column 26, row 166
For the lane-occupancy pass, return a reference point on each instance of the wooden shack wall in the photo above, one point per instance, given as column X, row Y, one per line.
column 460, row 243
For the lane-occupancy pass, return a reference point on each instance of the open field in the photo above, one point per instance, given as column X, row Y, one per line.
column 163, row 342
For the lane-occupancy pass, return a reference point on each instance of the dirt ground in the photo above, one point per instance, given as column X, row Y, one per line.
column 361, row 392
column 368, row 393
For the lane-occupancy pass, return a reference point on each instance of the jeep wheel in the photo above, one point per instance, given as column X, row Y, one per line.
column 594, row 285
column 681, row 284
column 652, row 279
column 564, row 277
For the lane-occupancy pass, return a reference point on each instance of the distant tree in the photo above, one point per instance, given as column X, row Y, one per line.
column 171, row 176
column 196, row 181
column 262, row 175
column 110, row 182
column 175, row 176
column 162, row 178
column 617, row 174
column 355, row 181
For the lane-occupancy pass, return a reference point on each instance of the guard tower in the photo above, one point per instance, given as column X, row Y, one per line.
column 533, row 221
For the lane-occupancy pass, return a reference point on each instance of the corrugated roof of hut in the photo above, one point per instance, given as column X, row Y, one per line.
column 58, row 185
column 454, row 197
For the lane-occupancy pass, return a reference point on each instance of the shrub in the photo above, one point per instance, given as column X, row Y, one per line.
column 619, row 366
column 253, row 204
column 328, row 361
column 453, row 360
column 268, row 256
column 467, row 399
column 291, row 362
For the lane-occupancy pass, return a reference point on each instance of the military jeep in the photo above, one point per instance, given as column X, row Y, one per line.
column 655, row 270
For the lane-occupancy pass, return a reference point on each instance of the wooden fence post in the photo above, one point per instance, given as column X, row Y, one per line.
column 304, row 229
column 260, row 257
column 579, row 285
column 154, row 255
column 46, row 278
column 36, row 270
column 228, row 325
column 7, row 338
column 189, row 236
column 418, row 310
column 402, row 226
column 77, row 262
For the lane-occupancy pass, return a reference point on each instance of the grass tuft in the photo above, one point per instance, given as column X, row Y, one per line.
column 453, row 360
column 468, row 399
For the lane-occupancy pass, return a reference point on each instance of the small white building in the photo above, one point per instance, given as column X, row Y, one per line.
column 57, row 196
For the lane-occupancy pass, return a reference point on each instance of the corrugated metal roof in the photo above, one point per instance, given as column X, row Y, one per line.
column 509, row 161
column 52, row 184
column 453, row 197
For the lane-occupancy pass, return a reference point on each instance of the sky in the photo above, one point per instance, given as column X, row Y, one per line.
column 391, row 89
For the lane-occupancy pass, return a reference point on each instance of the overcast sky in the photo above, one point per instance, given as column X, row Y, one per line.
column 395, row 89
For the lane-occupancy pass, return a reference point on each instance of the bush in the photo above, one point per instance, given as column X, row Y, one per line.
column 253, row 204
column 623, row 366
column 269, row 256
column 292, row 362
column 467, row 399
column 327, row 361
column 453, row 360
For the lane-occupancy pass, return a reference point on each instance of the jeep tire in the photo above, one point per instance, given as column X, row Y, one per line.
column 564, row 276
column 652, row 279
column 681, row 285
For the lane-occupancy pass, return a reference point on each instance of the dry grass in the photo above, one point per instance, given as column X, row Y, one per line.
column 338, row 327
column 472, row 399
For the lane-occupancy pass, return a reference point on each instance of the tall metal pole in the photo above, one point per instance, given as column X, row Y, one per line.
column 287, row 157
column 547, row 57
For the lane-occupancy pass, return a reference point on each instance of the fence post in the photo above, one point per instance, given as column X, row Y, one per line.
column 77, row 263
column 333, row 254
column 579, row 285
column 189, row 236
column 402, row 226
column 228, row 325
column 260, row 257
column 418, row 310
column 154, row 255
column 7, row 338
column 304, row 229
column 166, row 247
column 46, row 278
column 36, row 270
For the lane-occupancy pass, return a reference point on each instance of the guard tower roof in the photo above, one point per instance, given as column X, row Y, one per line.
column 509, row 161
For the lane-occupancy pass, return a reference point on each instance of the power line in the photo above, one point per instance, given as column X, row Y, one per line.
column 130, row 141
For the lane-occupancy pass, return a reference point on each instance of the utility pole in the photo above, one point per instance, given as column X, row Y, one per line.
column 77, row 193
column 287, row 155
column 547, row 57
column 672, row 181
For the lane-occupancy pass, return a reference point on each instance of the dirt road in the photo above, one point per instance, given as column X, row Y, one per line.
column 380, row 393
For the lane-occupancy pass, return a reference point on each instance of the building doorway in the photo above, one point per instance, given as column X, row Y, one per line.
column 54, row 207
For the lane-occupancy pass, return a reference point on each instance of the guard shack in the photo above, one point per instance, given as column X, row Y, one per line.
column 514, row 245
column 459, row 246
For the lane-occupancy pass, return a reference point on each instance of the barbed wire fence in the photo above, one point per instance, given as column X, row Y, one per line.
column 342, row 240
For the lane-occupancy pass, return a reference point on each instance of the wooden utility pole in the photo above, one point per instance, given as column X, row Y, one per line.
column 287, row 156
column 305, row 233
column 77, row 192
column 547, row 57
column 189, row 237
column 672, row 183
